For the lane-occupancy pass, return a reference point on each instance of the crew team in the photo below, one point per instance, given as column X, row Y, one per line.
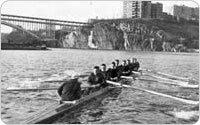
column 100, row 75
column 71, row 90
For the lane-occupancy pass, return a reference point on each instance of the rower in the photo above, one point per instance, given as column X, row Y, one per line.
column 129, row 65
column 128, row 62
column 96, row 79
column 104, row 71
column 70, row 90
column 125, row 68
column 112, row 72
column 136, row 65
column 103, row 67
column 132, row 63
column 117, row 62
column 118, row 69
column 132, row 60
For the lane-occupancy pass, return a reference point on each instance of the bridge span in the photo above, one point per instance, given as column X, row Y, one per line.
column 41, row 28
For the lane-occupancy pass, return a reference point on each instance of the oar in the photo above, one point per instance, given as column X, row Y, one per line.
column 175, row 81
column 54, row 81
column 38, row 89
column 173, row 76
column 136, row 72
column 83, row 75
column 139, row 73
column 30, row 89
column 156, row 93
column 69, row 102
column 169, row 75
column 165, row 82
column 170, row 81
column 126, row 77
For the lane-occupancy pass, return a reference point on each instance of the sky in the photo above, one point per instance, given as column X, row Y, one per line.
column 75, row 10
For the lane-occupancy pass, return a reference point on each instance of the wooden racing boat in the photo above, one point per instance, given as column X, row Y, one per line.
column 54, row 111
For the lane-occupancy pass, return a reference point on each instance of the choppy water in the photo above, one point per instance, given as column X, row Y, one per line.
column 128, row 106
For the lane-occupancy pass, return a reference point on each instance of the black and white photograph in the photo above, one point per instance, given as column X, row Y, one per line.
column 99, row 62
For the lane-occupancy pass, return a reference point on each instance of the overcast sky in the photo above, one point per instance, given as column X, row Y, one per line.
column 76, row 10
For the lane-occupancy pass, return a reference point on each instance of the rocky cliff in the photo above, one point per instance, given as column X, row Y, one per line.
column 138, row 34
column 148, row 34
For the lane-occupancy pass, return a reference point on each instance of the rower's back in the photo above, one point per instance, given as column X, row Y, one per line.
column 70, row 90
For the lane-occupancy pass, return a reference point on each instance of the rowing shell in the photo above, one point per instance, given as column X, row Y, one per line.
column 56, row 110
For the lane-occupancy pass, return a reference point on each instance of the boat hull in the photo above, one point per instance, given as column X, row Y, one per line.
column 56, row 110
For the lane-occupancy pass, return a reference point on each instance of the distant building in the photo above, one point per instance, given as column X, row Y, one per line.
column 170, row 17
column 146, row 9
column 156, row 10
column 185, row 12
column 131, row 9
column 141, row 9
column 164, row 15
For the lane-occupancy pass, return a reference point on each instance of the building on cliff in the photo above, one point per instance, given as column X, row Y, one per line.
column 156, row 10
column 134, row 9
column 185, row 12
column 146, row 9
column 142, row 9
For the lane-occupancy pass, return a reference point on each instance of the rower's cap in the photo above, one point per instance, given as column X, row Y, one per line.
column 117, row 60
column 113, row 63
column 75, row 76
column 96, row 67
column 124, row 60
column 103, row 64
column 128, row 60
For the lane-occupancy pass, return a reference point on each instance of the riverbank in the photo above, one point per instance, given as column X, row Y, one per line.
column 136, row 50
column 8, row 46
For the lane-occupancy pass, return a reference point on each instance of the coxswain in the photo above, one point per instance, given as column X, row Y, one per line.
column 96, row 79
column 70, row 90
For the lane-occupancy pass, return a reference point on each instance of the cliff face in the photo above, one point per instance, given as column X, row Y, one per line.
column 75, row 39
column 107, row 37
column 144, row 34
column 138, row 34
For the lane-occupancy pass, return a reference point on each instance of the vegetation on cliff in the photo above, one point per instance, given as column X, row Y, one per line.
column 18, row 37
column 147, row 34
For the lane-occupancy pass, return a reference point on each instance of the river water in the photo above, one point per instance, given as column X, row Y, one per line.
column 19, row 68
